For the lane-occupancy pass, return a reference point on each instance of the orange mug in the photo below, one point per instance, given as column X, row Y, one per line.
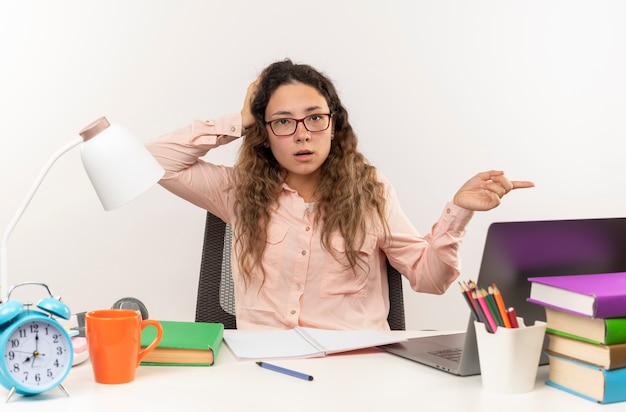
column 114, row 341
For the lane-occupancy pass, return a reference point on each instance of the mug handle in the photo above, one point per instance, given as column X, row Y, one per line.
column 155, row 342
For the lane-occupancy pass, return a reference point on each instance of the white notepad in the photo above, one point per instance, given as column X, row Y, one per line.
column 301, row 342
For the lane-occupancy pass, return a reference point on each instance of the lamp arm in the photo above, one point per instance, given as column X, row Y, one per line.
column 20, row 211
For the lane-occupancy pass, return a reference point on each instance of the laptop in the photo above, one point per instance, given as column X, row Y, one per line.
column 513, row 252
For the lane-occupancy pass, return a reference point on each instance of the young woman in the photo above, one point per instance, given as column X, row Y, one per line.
column 313, row 222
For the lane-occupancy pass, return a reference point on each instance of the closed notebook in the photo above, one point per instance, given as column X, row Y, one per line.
column 597, row 296
column 184, row 343
column 587, row 381
column 607, row 331
column 604, row 356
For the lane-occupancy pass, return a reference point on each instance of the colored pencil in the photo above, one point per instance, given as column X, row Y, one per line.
column 501, row 307
column 470, row 302
column 492, row 307
column 485, row 307
column 512, row 317
column 481, row 314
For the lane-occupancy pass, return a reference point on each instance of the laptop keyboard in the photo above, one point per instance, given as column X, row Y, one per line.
column 450, row 354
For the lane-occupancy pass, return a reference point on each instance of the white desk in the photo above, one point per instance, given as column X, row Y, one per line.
column 369, row 380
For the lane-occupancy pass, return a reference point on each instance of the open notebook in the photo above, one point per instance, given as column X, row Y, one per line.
column 515, row 251
column 300, row 342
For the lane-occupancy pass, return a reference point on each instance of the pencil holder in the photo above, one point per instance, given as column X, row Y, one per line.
column 509, row 358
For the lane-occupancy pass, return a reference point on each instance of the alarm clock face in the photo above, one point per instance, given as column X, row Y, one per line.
column 37, row 355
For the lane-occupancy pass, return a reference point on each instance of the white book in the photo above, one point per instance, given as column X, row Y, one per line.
column 301, row 342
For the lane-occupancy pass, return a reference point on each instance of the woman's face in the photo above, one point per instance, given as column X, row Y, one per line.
column 302, row 152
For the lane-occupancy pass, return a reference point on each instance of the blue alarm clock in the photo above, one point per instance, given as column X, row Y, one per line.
column 37, row 352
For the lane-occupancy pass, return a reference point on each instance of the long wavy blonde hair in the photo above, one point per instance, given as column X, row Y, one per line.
column 350, row 197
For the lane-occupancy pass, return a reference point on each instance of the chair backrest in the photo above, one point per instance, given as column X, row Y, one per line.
column 216, row 300
column 216, row 293
column 396, row 299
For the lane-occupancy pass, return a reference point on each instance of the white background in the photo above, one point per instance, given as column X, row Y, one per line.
column 437, row 90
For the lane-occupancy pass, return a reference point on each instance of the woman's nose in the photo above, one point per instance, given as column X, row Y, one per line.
column 302, row 133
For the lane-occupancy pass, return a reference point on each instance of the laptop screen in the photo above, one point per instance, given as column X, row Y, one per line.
column 515, row 251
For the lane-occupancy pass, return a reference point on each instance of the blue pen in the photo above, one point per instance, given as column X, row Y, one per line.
column 285, row 371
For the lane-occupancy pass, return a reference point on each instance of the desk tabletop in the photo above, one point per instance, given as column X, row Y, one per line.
column 366, row 380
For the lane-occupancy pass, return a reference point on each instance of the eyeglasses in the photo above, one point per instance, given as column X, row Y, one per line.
column 287, row 126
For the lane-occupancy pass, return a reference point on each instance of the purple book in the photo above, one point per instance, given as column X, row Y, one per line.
column 601, row 295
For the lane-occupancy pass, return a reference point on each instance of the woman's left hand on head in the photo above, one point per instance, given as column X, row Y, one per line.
column 485, row 190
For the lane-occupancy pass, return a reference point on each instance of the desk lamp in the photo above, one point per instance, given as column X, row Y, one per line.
column 120, row 169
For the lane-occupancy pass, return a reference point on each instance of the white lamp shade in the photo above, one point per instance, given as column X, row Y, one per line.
column 119, row 166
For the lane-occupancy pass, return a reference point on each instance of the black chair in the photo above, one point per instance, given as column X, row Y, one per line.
column 216, row 292
column 216, row 300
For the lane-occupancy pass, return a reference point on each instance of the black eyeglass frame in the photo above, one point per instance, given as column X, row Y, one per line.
column 330, row 116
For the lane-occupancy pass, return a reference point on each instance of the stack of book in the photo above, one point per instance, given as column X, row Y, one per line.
column 586, row 328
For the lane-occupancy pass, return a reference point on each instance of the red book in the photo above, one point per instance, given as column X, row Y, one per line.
column 600, row 295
